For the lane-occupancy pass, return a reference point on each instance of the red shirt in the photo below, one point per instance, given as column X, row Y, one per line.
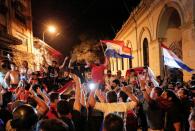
column 97, row 73
column 52, row 113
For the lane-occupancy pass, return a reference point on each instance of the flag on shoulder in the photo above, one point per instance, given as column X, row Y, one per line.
column 171, row 60
column 117, row 49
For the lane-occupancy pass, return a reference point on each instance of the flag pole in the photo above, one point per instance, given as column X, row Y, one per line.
column 109, row 65
column 102, row 47
column 162, row 60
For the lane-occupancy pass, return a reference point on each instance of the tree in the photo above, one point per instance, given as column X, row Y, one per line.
column 88, row 49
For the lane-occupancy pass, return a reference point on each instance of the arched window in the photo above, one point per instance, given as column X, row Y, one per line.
column 145, row 52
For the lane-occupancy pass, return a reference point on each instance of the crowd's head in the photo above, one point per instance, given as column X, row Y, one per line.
column 24, row 117
column 113, row 122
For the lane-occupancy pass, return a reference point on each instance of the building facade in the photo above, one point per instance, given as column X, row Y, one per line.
column 41, row 50
column 171, row 22
column 16, row 37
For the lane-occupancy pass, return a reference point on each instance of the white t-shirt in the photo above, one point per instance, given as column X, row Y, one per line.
column 107, row 108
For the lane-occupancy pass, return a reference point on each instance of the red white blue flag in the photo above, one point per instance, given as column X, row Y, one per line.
column 117, row 49
column 171, row 60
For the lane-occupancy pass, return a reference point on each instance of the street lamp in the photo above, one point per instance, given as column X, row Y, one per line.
column 51, row 29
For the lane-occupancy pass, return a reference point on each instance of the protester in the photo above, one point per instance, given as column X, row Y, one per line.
column 100, row 102
column 109, row 78
column 152, row 108
column 12, row 77
column 52, row 125
column 25, row 71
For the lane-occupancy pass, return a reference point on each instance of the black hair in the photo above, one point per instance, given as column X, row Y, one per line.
column 158, row 90
column 185, row 91
column 12, row 63
column 52, row 125
column 132, row 70
column 111, row 96
column 175, row 99
column 36, row 86
column 158, row 77
column 113, row 122
column 53, row 96
column 145, row 67
column 193, row 77
column 116, row 81
column 124, row 83
column 124, row 96
column 108, row 71
column 63, row 107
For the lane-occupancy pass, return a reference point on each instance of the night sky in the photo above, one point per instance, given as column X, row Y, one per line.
column 97, row 19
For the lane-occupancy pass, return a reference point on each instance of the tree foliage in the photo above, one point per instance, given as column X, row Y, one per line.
column 88, row 49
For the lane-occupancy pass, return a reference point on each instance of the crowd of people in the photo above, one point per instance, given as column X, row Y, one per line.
column 66, row 98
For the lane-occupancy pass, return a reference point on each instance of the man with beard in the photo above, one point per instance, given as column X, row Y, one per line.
column 172, row 106
column 53, row 71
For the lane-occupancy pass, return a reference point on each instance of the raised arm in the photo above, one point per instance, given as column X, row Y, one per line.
column 70, row 64
column 63, row 64
column 142, row 83
column 130, row 94
column 100, row 96
column 91, row 100
column 106, row 61
column 77, row 104
column 42, row 107
column 45, row 97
